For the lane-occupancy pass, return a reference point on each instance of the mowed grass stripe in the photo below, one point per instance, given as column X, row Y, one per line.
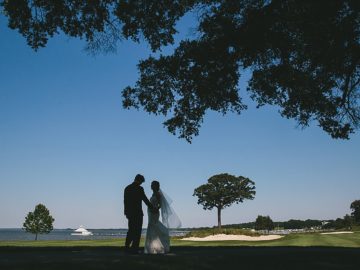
column 345, row 240
column 300, row 240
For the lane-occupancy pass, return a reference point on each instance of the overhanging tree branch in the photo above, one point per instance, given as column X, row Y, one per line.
column 302, row 54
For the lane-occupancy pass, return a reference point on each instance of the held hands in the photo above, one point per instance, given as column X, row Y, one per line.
column 154, row 209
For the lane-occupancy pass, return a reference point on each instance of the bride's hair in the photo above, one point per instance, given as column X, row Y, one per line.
column 156, row 185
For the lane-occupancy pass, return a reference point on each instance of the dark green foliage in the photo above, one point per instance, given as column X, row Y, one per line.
column 300, row 224
column 290, row 224
column 335, row 224
column 303, row 55
column 264, row 223
column 246, row 225
column 346, row 222
column 38, row 222
column 222, row 190
column 355, row 208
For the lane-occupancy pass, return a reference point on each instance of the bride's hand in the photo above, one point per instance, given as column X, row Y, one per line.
column 155, row 210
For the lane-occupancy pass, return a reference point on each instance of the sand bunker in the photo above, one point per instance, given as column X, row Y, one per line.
column 231, row 237
column 335, row 232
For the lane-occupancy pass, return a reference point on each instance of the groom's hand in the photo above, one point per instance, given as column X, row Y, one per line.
column 154, row 209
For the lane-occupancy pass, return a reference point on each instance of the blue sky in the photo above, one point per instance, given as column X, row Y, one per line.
column 66, row 141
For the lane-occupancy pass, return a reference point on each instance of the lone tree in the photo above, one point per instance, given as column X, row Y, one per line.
column 222, row 190
column 301, row 55
column 264, row 223
column 355, row 207
column 39, row 222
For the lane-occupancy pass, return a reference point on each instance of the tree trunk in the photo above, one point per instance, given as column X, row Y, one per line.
column 219, row 217
column 36, row 236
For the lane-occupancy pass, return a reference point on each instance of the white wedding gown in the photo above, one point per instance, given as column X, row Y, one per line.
column 157, row 235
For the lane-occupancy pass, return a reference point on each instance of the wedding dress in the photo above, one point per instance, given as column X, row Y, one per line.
column 157, row 239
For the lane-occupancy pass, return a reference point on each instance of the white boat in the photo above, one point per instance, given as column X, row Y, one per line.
column 82, row 231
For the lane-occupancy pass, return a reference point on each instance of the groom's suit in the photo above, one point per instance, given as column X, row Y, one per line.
column 133, row 196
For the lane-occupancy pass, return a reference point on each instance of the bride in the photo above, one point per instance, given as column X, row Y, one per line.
column 157, row 235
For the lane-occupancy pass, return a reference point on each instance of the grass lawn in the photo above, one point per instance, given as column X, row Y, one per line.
column 299, row 240
column 296, row 251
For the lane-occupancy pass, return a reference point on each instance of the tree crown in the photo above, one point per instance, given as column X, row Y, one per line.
column 39, row 221
column 355, row 207
column 264, row 223
column 223, row 190
column 302, row 55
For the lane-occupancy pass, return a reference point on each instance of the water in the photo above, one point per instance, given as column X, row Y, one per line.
column 65, row 234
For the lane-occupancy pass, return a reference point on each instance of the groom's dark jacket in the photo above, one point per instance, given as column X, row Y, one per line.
column 133, row 197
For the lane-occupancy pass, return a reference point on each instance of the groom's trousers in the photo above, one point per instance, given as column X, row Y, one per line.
column 134, row 232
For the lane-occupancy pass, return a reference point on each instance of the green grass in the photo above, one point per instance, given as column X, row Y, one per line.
column 295, row 251
column 65, row 243
column 291, row 240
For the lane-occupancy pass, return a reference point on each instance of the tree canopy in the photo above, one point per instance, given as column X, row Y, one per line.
column 264, row 223
column 355, row 208
column 290, row 224
column 303, row 55
column 223, row 190
column 339, row 223
column 39, row 221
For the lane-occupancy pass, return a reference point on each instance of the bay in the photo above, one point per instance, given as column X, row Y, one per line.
column 15, row 234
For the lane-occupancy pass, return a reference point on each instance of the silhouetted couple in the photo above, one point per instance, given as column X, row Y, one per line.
column 157, row 234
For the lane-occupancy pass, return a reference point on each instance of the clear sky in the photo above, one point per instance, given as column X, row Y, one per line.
column 66, row 142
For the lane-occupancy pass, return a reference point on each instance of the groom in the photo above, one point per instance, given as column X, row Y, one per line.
column 133, row 196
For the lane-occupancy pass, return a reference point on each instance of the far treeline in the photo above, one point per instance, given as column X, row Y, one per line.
column 347, row 222
column 265, row 222
column 290, row 224
column 296, row 224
